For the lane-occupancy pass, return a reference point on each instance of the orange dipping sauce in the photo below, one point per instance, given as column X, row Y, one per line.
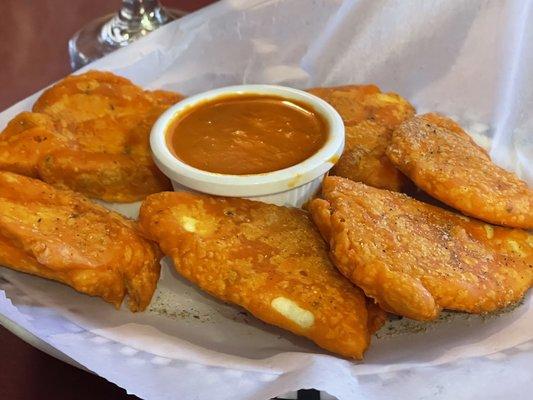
column 245, row 134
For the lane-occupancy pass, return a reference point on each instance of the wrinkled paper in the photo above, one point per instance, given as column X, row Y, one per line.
column 469, row 59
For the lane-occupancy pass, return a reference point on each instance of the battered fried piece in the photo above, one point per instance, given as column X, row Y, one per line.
column 25, row 139
column 369, row 117
column 89, row 133
column 416, row 259
column 62, row 236
column 447, row 164
column 268, row 259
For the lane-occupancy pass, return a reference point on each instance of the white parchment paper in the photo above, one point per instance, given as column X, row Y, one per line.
column 469, row 59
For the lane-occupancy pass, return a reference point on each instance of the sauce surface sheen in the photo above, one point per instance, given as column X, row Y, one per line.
column 245, row 134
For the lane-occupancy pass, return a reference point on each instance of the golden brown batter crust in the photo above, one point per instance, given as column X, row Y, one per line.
column 446, row 163
column 89, row 133
column 369, row 117
column 60, row 235
column 270, row 260
column 415, row 259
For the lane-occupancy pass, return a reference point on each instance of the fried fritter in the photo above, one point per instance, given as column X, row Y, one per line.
column 89, row 133
column 416, row 259
column 369, row 117
column 447, row 164
column 270, row 260
column 28, row 137
column 60, row 235
column 110, row 177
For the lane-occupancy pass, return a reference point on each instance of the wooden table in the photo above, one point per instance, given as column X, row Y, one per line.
column 34, row 36
column 33, row 54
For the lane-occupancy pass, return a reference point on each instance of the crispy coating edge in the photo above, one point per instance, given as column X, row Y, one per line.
column 110, row 177
column 153, row 210
column 368, row 133
column 136, row 274
column 418, row 301
column 460, row 173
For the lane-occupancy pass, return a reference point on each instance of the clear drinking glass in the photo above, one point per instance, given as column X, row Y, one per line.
column 135, row 19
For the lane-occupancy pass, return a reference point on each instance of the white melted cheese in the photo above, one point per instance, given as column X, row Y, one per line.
column 515, row 247
column 189, row 223
column 489, row 231
column 292, row 311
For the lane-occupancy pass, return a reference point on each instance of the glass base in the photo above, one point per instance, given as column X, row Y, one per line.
column 111, row 32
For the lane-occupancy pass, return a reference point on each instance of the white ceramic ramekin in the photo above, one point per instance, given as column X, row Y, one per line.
column 291, row 186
